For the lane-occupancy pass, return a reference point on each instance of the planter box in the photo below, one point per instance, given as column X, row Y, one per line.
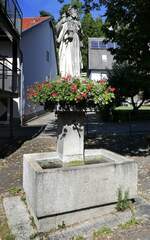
column 54, row 191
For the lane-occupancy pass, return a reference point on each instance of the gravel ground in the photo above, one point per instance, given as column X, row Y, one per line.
column 137, row 147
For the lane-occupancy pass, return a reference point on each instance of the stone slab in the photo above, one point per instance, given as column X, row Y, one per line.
column 18, row 218
column 112, row 220
column 77, row 217
column 67, row 189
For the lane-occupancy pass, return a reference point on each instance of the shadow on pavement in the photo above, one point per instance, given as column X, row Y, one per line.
column 135, row 145
column 20, row 135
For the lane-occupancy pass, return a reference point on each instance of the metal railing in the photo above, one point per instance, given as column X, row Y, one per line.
column 9, row 81
column 14, row 13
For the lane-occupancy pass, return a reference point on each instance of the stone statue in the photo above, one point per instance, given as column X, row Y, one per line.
column 69, row 33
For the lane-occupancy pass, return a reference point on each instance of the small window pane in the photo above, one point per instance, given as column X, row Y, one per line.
column 104, row 58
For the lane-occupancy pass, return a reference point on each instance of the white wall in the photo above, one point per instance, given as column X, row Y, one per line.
column 34, row 44
column 96, row 75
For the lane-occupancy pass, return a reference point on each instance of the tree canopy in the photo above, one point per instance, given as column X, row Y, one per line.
column 44, row 13
column 127, row 24
column 129, row 84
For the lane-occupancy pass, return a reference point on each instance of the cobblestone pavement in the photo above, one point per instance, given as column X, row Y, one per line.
column 137, row 147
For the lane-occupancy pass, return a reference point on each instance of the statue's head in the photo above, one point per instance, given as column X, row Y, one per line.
column 73, row 12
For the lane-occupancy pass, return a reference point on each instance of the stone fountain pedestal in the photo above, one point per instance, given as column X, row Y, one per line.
column 72, row 185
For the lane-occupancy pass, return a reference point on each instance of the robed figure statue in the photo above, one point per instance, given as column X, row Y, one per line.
column 69, row 34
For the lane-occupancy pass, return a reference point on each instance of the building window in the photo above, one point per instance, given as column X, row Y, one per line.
column 47, row 56
column 104, row 58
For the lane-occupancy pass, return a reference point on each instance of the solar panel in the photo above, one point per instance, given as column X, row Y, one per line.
column 101, row 45
column 94, row 44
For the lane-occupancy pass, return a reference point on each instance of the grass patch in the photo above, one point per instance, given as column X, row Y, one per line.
column 132, row 222
column 126, row 114
column 131, row 108
column 78, row 238
column 14, row 190
column 102, row 232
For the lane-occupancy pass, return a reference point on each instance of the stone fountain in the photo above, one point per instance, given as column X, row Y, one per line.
column 73, row 184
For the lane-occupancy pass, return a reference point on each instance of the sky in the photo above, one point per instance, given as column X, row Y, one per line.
column 31, row 8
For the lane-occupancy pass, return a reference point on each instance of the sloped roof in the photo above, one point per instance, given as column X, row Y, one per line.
column 32, row 21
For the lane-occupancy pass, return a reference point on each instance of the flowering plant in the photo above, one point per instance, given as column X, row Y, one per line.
column 72, row 94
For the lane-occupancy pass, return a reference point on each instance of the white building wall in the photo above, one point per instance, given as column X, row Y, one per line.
column 97, row 75
column 35, row 43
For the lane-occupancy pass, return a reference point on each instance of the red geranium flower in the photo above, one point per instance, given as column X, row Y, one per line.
column 54, row 94
column 112, row 89
column 74, row 88
column 102, row 81
column 84, row 94
column 89, row 87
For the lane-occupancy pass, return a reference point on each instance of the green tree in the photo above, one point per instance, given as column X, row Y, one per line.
column 129, row 84
column 127, row 24
column 75, row 3
column 87, row 5
column 64, row 9
column 91, row 28
column 44, row 13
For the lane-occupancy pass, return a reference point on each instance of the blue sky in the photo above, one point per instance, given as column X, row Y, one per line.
column 31, row 8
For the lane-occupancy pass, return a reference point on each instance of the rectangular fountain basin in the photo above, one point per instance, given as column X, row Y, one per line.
column 53, row 190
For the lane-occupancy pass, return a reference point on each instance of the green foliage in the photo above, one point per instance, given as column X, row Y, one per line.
column 88, row 5
column 78, row 238
column 132, row 222
column 102, row 232
column 126, row 24
column 62, row 226
column 14, row 190
column 9, row 237
column 123, row 202
column 44, row 13
column 64, row 9
column 72, row 94
column 129, row 83
column 91, row 28
column 75, row 3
